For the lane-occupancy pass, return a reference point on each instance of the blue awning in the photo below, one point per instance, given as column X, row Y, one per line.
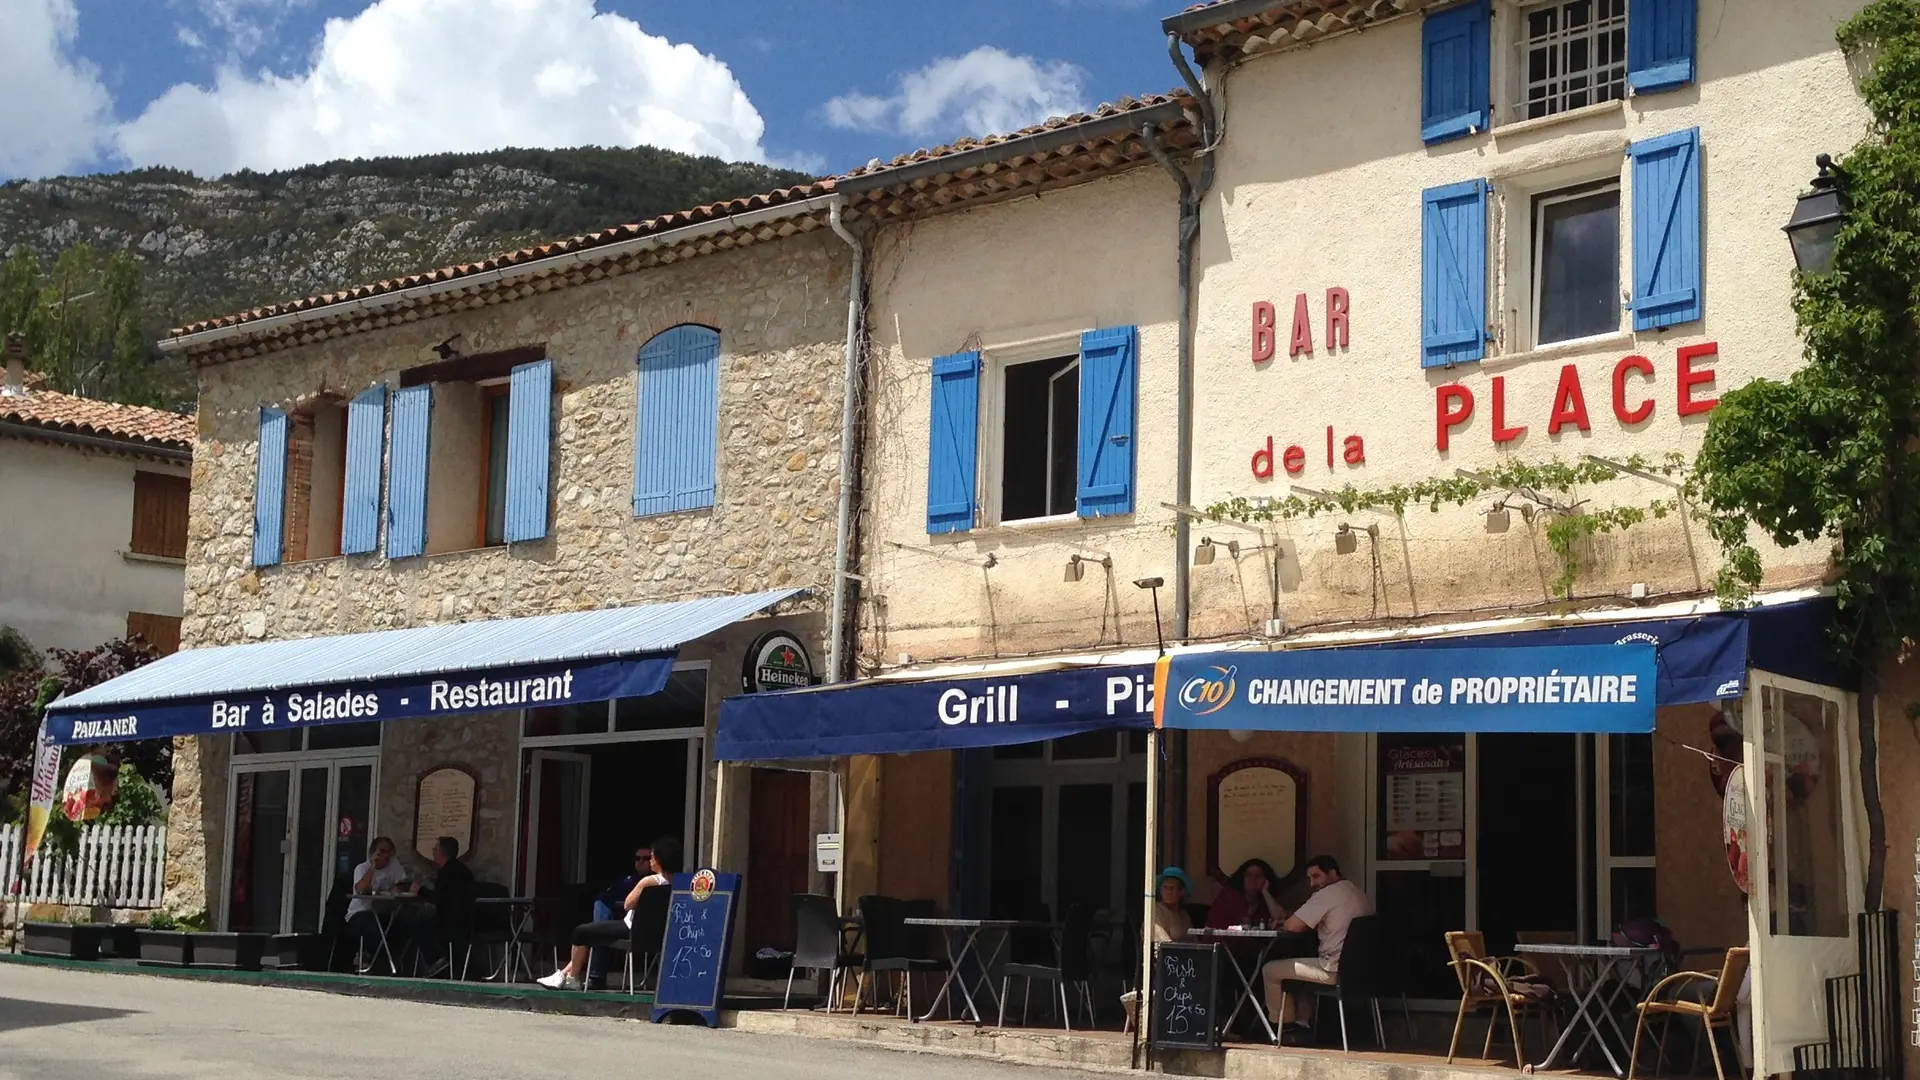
column 443, row 670
column 1697, row 658
column 942, row 714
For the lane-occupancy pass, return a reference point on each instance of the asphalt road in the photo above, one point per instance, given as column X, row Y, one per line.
column 61, row 1024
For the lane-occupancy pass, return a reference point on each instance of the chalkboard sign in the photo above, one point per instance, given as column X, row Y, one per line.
column 693, row 961
column 1185, row 977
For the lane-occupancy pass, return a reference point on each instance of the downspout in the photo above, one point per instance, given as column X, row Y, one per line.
column 842, row 549
column 1192, row 193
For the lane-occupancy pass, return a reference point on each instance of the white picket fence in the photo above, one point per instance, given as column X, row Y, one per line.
column 119, row 866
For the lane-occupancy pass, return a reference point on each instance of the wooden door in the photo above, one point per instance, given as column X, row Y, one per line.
column 779, row 854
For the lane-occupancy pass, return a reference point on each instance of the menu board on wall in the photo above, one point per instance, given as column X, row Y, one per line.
column 444, row 808
column 1256, row 808
column 1423, row 797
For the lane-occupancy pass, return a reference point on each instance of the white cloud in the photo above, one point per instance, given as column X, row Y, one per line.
column 243, row 26
column 988, row 91
column 423, row 76
column 56, row 110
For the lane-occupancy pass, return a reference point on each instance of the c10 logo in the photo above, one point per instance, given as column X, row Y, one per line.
column 1204, row 695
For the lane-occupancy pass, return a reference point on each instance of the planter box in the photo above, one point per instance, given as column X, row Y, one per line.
column 298, row 952
column 239, row 952
column 173, row 948
column 122, row 942
column 72, row 941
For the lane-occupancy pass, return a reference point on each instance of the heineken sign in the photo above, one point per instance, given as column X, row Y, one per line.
column 777, row 661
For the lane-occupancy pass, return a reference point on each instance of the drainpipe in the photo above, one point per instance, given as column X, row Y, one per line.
column 842, row 549
column 1192, row 193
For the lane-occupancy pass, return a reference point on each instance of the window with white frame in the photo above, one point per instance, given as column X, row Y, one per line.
column 1572, row 53
column 1576, row 263
column 1040, row 438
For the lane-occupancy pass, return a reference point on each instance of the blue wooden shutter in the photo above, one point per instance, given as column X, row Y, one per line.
column 360, row 501
column 1455, row 72
column 529, row 449
column 953, row 453
column 1108, row 366
column 1660, row 42
column 270, row 489
column 1453, row 274
column 407, row 472
column 1666, row 230
column 675, row 429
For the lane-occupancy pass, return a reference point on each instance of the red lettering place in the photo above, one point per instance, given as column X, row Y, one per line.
column 1453, row 402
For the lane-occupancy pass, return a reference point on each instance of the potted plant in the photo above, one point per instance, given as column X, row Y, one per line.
column 168, row 939
column 67, row 940
column 229, row 949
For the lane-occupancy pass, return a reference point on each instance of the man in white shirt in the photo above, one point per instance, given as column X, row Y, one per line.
column 381, row 873
column 1335, row 903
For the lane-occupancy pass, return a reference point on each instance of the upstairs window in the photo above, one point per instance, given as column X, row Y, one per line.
column 495, row 420
column 1040, row 439
column 159, row 515
column 1576, row 263
column 1573, row 53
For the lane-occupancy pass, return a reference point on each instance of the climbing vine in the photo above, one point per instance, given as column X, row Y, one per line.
column 1547, row 485
column 1830, row 452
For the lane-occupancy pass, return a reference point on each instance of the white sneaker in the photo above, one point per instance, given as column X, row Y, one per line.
column 555, row 981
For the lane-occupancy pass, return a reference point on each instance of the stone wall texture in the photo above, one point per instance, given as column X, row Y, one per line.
column 780, row 310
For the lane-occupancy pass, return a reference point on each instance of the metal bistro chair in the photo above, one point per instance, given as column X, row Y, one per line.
column 1072, row 966
column 492, row 925
column 647, row 937
column 1495, row 983
column 818, row 944
column 1362, row 976
column 892, row 947
column 1714, row 1014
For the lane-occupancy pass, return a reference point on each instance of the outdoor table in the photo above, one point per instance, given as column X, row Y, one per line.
column 969, row 930
column 1597, row 977
column 391, row 903
column 519, row 924
column 1251, row 984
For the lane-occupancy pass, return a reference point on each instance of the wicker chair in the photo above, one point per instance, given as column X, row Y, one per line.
column 1713, row 1013
column 1496, row 983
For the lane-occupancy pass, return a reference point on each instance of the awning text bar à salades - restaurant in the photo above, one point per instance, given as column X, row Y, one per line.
column 443, row 670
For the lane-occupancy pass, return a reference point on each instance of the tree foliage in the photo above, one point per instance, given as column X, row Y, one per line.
column 82, row 320
column 1829, row 453
column 69, row 671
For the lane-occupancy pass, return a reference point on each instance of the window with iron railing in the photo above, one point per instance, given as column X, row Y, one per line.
column 1573, row 53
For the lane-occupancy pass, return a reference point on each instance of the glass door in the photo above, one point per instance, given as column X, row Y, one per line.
column 296, row 832
column 1424, row 841
column 1805, row 858
column 258, row 843
column 558, row 796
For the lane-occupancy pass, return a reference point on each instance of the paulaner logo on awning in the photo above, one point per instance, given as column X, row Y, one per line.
column 120, row 727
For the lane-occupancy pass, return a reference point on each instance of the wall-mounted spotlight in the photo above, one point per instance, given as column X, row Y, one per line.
column 1498, row 519
column 1344, row 541
column 1203, row 555
column 1154, row 584
column 1077, row 565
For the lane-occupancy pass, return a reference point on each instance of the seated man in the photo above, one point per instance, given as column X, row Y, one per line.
column 664, row 861
column 606, row 906
column 381, row 873
column 452, row 895
column 1335, row 903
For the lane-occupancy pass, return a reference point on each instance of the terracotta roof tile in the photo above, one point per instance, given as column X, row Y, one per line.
column 1247, row 29
column 85, row 416
column 667, row 222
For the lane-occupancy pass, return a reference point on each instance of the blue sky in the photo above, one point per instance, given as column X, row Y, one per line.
column 213, row 85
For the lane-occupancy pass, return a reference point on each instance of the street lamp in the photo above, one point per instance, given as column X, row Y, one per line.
column 1154, row 584
column 1817, row 219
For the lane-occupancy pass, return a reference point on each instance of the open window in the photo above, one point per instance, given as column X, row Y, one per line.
column 471, row 443
column 316, row 481
column 1040, row 438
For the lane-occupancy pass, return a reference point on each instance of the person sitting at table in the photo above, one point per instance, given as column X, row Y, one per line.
column 1335, row 903
column 606, row 906
column 451, row 895
column 1170, row 919
column 1248, row 901
column 380, row 873
column 664, row 862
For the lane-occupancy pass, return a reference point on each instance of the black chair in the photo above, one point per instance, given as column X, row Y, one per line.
column 492, row 925
column 647, row 936
column 893, row 946
column 1363, row 975
column 1072, row 966
column 454, row 918
column 818, row 945
column 333, row 922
